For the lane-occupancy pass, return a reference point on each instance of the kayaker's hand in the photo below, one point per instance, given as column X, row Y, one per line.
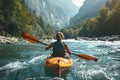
column 49, row 46
column 69, row 53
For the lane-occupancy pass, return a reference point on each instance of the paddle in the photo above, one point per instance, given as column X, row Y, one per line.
column 31, row 38
column 35, row 40
column 86, row 57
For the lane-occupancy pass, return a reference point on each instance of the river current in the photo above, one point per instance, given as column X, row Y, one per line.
column 26, row 61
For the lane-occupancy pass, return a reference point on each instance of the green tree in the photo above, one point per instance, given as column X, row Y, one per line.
column 115, row 18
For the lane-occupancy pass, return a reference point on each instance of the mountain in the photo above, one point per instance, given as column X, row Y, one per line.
column 89, row 9
column 56, row 12
column 15, row 18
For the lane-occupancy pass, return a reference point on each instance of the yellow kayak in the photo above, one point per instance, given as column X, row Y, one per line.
column 58, row 64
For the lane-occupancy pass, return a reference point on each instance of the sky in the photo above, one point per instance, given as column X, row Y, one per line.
column 78, row 3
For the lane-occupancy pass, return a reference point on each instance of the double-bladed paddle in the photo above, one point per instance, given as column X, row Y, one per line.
column 35, row 40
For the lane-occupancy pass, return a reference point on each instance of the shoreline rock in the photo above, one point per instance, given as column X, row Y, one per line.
column 12, row 40
column 104, row 38
column 9, row 40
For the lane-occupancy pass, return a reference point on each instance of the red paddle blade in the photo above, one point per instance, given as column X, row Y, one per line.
column 30, row 38
column 87, row 57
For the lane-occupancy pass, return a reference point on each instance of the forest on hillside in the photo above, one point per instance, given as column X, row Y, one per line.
column 106, row 24
column 15, row 18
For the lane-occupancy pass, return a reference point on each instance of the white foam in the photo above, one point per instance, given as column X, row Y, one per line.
column 37, row 59
column 20, row 65
column 14, row 65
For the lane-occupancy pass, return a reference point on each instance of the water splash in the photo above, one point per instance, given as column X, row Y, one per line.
column 32, row 68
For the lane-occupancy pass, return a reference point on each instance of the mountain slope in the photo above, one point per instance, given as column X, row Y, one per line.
column 89, row 9
column 55, row 12
column 15, row 18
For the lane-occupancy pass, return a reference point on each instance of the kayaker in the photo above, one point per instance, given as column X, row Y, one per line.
column 60, row 49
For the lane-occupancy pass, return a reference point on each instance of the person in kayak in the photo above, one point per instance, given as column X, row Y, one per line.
column 60, row 49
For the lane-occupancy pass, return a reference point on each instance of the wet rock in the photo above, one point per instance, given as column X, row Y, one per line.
column 8, row 40
column 103, row 38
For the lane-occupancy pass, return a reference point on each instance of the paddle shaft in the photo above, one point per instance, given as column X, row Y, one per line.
column 37, row 41
column 43, row 43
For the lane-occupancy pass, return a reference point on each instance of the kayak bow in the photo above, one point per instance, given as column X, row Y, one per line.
column 58, row 64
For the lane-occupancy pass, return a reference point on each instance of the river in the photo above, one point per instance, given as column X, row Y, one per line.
column 26, row 61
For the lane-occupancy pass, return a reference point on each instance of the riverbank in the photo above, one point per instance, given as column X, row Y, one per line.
column 104, row 38
column 8, row 40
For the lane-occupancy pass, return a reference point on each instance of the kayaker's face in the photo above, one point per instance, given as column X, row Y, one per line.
column 59, row 37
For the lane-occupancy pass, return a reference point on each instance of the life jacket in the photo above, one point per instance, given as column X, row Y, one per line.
column 58, row 50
